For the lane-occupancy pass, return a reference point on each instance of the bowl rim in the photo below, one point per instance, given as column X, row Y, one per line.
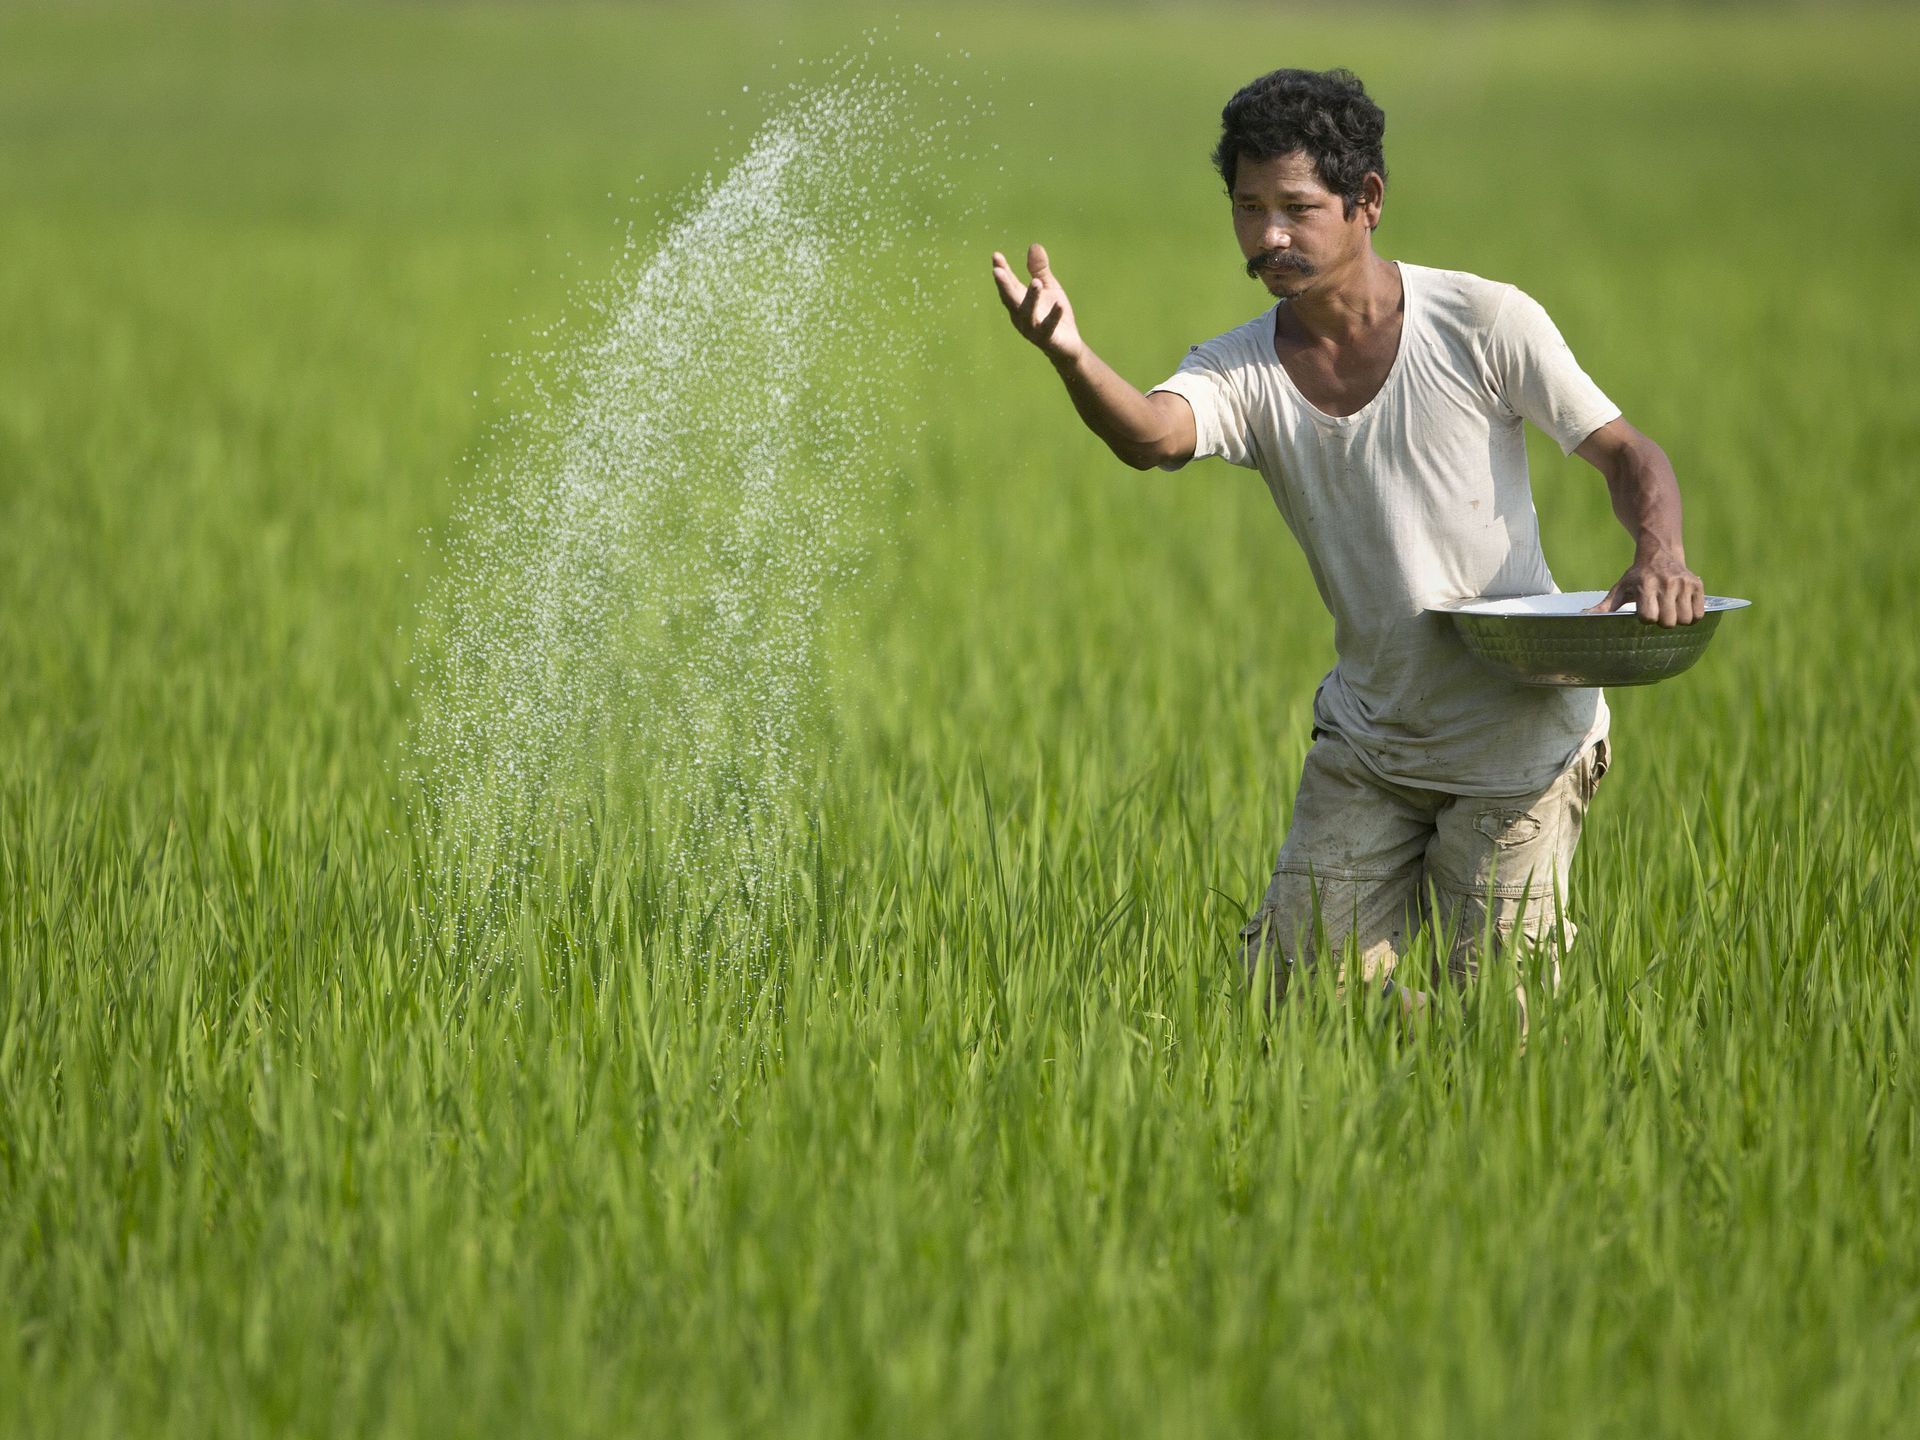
column 1482, row 606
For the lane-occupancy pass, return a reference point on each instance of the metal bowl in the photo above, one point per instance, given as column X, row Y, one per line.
column 1546, row 640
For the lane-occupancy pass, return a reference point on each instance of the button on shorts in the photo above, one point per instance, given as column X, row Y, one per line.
column 1368, row 864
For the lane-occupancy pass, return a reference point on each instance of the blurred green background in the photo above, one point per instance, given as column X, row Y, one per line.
column 990, row 1141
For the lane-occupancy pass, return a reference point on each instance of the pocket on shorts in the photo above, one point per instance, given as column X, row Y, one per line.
column 1508, row 829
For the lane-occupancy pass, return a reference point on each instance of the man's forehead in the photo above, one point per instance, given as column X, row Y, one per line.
column 1293, row 173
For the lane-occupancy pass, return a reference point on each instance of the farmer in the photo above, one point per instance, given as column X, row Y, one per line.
column 1382, row 402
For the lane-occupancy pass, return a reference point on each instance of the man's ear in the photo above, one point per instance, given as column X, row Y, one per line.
column 1373, row 194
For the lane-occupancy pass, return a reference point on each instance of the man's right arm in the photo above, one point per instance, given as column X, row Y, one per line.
column 1143, row 430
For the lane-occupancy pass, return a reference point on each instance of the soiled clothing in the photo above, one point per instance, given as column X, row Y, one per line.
column 1369, row 865
column 1419, row 497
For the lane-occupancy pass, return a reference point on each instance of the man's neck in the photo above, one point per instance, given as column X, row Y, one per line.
column 1351, row 307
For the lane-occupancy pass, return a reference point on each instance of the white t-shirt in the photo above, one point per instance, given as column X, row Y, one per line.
column 1419, row 497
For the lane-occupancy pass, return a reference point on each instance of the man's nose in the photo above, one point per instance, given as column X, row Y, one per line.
column 1275, row 236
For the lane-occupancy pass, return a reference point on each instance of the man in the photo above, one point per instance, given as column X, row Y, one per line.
column 1383, row 403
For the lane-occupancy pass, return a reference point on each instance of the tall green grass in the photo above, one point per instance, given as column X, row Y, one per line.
column 971, row 1127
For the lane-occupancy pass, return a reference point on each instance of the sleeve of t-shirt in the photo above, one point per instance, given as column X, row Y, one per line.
column 1536, row 377
column 1208, row 380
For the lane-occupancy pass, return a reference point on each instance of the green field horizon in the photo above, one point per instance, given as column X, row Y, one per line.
column 963, row 1122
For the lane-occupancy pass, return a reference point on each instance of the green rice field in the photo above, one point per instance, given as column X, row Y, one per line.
column 965, row 1124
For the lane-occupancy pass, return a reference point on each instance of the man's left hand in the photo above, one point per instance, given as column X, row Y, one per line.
column 1662, row 590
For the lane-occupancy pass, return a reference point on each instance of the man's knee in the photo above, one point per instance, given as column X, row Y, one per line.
column 1302, row 928
column 1529, row 933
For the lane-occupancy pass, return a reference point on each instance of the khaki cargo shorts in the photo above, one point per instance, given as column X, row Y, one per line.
column 1369, row 864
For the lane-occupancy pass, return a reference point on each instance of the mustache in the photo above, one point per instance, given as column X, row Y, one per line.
column 1278, row 260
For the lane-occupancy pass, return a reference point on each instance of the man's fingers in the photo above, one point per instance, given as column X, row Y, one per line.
column 1010, row 289
column 1677, row 600
column 1039, row 309
column 1665, row 600
column 1648, row 601
column 1024, row 316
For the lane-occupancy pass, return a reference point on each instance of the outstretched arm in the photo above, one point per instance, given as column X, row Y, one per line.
column 1143, row 430
column 1646, row 498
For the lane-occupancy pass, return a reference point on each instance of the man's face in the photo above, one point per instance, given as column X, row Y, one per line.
column 1294, row 232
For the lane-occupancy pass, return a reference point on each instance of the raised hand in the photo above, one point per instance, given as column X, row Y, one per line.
column 1143, row 430
column 1039, row 311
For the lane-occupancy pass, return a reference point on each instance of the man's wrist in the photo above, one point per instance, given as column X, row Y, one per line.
column 1071, row 364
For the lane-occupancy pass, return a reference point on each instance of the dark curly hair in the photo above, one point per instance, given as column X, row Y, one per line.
column 1326, row 113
